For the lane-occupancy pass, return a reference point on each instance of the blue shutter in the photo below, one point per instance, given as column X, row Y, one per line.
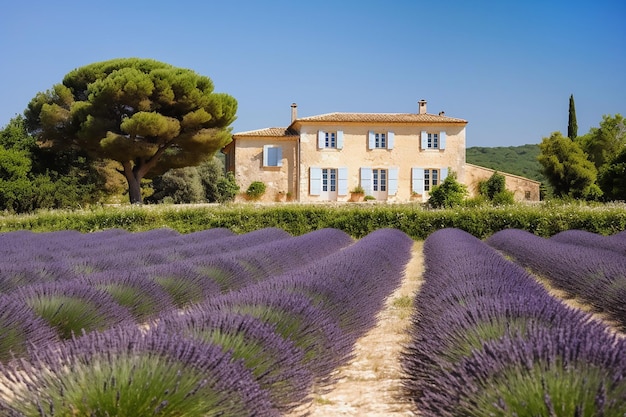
column 315, row 180
column 342, row 181
column 321, row 139
column 417, row 180
column 390, row 140
column 442, row 140
column 278, row 156
column 366, row 180
column 393, row 181
column 370, row 140
column 443, row 173
column 424, row 139
column 266, row 155
column 340, row 139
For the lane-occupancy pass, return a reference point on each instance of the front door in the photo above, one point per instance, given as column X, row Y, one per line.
column 329, row 184
column 379, row 184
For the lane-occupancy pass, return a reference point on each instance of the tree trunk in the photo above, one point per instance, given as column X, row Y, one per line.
column 133, row 177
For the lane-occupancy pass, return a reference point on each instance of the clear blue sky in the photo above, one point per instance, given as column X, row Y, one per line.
column 508, row 67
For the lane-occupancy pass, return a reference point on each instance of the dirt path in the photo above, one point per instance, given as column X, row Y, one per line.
column 369, row 385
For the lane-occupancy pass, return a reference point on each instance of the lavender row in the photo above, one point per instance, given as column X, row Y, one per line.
column 255, row 351
column 39, row 262
column 102, row 300
column 488, row 340
column 67, row 254
column 616, row 242
column 595, row 275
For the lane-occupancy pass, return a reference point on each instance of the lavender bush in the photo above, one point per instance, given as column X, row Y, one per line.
column 275, row 362
column 20, row 329
column 474, row 303
column 594, row 275
column 124, row 372
column 72, row 307
column 591, row 240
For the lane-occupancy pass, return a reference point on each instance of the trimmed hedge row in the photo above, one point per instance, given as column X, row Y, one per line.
column 357, row 220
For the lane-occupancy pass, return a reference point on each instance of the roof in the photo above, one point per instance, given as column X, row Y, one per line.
column 269, row 132
column 381, row 118
column 352, row 118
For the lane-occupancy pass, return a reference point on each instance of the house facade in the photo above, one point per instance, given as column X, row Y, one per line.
column 394, row 157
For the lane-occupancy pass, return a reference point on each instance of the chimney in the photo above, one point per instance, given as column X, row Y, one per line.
column 422, row 106
column 294, row 112
column 442, row 113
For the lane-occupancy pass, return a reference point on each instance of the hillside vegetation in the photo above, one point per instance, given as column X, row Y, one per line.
column 517, row 160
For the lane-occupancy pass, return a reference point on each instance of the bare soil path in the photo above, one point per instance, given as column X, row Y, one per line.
column 369, row 385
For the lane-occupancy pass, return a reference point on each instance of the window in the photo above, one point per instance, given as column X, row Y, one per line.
column 379, row 180
column 329, row 179
column 330, row 140
column 433, row 140
column 425, row 179
column 526, row 195
column 272, row 156
column 326, row 181
column 380, row 140
column 431, row 178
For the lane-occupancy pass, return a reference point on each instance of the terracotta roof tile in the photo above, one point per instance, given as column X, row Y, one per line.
column 381, row 118
column 270, row 131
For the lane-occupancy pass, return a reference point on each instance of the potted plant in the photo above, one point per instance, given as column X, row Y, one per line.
column 357, row 193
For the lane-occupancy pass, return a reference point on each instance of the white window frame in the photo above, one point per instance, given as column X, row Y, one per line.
column 330, row 177
column 380, row 140
column 272, row 156
column 330, row 140
column 432, row 140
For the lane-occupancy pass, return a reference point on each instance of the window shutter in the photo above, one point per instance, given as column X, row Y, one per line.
column 393, row 181
column 442, row 140
column 390, row 140
column 370, row 140
column 266, row 150
column 278, row 156
column 366, row 180
column 321, row 139
column 342, row 181
column 443, row 173
column 340, row 139
column 315, row 180
column 424, row 139
column 417, row 180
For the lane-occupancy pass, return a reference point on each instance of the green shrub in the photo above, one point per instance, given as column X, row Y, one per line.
column 227, row 188
column 450, row 193
column 255, row 190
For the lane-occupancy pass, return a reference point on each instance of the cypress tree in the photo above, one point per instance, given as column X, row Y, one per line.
column 572, row 127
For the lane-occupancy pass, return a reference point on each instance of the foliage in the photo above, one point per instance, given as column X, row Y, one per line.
column 227, row 188
column 358, row 190
column 33, row 178
column 255, row 190
column 602, row 144
column 494, row 190
column 517, row 160
column 567, row 168
column 572, row 126
column 147, row 115
column 450, row 193
column 612, row 178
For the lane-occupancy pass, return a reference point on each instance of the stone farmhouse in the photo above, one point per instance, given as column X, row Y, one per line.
column 393, row 157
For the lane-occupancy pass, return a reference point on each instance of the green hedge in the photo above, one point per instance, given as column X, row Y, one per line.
column 357, row 220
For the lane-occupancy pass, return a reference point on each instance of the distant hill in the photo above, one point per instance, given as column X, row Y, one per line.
column 517, row 160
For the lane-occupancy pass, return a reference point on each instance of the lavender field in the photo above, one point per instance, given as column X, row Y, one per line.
column 211, row 323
